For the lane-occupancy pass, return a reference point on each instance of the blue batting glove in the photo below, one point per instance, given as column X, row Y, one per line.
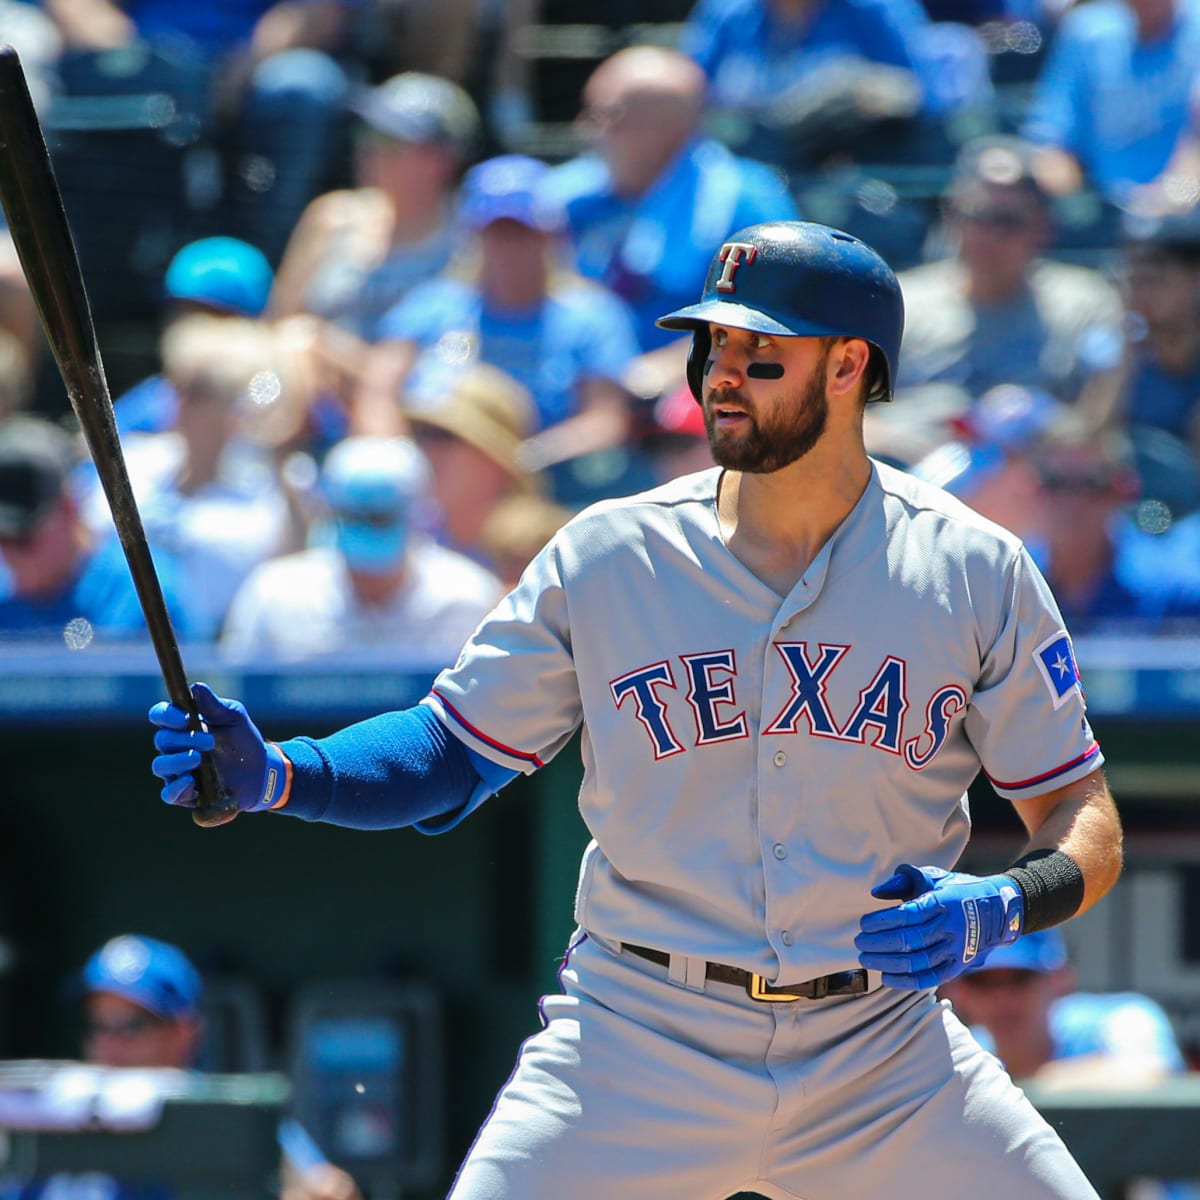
column 948, row 921
column 255, row 771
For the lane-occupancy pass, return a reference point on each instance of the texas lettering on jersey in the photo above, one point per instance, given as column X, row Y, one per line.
column 706, row 681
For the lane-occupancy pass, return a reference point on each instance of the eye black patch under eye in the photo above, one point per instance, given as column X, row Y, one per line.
column 765, row 370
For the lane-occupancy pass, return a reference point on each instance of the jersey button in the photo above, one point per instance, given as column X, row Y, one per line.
column 780, row 758
column 786, row 938
column 779, row 850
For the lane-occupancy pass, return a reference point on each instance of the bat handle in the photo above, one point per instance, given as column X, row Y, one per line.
column 215, row 805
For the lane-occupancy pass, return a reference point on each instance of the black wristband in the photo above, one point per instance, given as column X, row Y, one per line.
column 1052, row 885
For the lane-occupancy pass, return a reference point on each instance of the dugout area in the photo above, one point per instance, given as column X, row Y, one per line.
column 282, row 908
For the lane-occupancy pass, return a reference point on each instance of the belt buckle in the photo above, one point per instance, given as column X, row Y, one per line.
column 757, row 989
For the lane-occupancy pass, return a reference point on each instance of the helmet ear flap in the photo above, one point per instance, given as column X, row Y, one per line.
column 697, row 360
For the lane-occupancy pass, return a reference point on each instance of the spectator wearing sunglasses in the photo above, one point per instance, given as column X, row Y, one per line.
column 142, row 1008
column 1075, row 493
column 141, row 1005
column 1111, row 551
column 990, row 463
column 1022, row 1005
column 994, row 310
column 374, row 583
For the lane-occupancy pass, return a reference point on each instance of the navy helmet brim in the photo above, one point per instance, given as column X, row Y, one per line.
column 740, row 316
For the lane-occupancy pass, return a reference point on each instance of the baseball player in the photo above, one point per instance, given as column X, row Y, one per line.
column 787, row 671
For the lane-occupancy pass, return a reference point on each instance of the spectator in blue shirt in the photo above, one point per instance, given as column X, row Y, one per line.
column 754, row 50
column 1111, row 102
column 751, row 49
column 66, row 584
column 651, row 196
column 567, row 340
column 798, row 81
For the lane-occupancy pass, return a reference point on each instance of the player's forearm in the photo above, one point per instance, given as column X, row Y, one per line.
column 390, row 771
column 1081, row 821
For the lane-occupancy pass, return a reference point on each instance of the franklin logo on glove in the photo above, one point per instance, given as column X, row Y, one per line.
column 971, row 917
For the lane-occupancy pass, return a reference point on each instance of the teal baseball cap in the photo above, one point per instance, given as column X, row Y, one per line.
column 153, row 975
column 221, row 272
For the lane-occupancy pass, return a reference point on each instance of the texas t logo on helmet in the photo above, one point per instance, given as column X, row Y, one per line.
column 731, row 255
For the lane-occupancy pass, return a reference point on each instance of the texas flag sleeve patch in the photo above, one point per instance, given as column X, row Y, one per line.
column 1056, row 661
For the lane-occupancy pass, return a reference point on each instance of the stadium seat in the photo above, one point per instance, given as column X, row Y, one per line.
column 235, row 1026
column 366, row 1065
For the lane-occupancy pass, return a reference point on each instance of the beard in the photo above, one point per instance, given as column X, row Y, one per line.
column 770, row 444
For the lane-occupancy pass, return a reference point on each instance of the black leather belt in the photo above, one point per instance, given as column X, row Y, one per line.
column 840, row 983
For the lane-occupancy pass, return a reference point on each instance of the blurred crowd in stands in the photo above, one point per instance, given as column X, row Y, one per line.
column 376, row 284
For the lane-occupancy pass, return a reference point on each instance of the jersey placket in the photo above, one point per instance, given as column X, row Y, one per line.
column 780, row 776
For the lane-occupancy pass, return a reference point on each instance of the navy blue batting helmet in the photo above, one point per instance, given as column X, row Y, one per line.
column 798, row 279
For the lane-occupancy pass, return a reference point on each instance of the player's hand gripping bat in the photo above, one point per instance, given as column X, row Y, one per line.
column 42, row 236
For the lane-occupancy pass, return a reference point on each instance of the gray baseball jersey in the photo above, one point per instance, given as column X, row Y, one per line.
column 754, row 764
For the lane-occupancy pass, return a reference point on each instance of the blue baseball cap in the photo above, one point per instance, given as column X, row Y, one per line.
column 153, row 975
column 1043, row 951
column 1011, row 416
column 222, row 272
column 371, row 485
column 959, row 467
column 510, row 187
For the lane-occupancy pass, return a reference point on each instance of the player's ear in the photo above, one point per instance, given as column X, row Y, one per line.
column 846, row 366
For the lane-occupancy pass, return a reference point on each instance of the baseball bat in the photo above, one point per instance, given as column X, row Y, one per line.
column 42, row 236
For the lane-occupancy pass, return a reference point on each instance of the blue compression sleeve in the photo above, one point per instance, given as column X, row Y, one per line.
column 401, row 768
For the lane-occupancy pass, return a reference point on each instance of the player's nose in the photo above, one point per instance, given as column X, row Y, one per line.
column 726, row 368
